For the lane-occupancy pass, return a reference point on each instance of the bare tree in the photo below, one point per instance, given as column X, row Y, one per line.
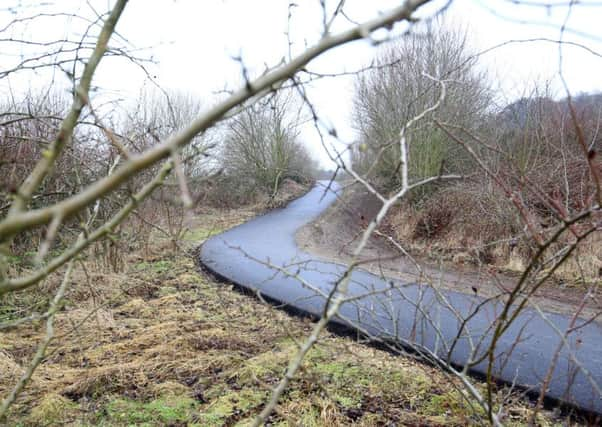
column 262, row 146
column 394, row 89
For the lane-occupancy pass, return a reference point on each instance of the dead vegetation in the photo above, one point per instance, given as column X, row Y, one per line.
column 468, row 224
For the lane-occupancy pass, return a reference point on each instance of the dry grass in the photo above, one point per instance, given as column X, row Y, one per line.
column 459, row 221
column 467, row 223
column 161, row 344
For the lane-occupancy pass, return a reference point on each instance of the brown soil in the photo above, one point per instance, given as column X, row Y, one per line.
column 336, row 233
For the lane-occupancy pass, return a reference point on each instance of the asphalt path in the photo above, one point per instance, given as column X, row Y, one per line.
column 453, row 326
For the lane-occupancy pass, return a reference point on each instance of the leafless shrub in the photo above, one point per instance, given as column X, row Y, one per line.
column 157, row 115
column 536, row 142
column 27, row 127
column 469, row 218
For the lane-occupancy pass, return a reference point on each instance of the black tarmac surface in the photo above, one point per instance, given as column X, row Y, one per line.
column 409, row 313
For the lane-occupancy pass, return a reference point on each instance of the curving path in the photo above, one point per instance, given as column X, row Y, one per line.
column 408, row 312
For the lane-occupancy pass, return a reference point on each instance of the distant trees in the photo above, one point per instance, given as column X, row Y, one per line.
column 538, row 141
column 159, row 114
column 258, row 149
column 26, row 128
column 28, row 125
column 262, row 146
column 398, row 86
column 545, row 150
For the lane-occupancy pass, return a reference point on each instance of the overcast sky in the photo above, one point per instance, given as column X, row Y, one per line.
column 194, row 43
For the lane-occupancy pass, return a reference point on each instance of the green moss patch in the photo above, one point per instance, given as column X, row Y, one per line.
column 160, row 266
column 168, row 410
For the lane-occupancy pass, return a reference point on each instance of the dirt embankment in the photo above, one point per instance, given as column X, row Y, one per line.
column 336, row 233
